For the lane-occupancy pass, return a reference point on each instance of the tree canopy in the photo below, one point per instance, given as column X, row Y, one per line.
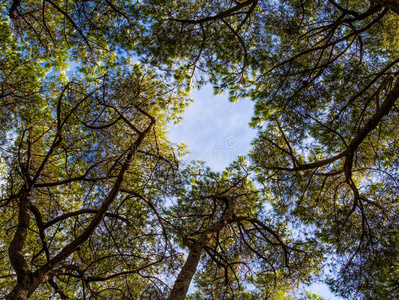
column 95, row 201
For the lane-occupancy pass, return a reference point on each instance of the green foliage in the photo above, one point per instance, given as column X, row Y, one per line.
column 67, row 144
column 251, row 237
column 321, row 75
column 94, row 202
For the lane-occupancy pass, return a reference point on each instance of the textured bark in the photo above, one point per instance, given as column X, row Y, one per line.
column 26, row 286
column 186, row 274
column 15, row 253
column 196, row 247
column 20, row 292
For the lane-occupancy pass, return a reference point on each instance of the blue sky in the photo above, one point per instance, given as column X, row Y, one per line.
column 216, row 131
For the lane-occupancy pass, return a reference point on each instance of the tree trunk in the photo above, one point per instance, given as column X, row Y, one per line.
column 19, row 292
column 26, row 285
column 196, row 247
column 186, row 274
column 17, row 259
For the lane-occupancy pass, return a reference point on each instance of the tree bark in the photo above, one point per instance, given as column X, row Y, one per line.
column 17, row 259
column 26, row 286
column 186, row 274
column 196, row 247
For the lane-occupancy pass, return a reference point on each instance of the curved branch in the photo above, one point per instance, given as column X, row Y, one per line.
column 81, row 212
column 219, row 16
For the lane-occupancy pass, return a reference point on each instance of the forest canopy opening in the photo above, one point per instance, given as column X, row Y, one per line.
column 87, row 168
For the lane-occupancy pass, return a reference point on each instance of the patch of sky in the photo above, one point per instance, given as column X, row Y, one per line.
column 215, row 130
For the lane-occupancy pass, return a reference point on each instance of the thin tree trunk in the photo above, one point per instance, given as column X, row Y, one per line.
column 186, row 274
column 17, row 259
column 196, row 247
